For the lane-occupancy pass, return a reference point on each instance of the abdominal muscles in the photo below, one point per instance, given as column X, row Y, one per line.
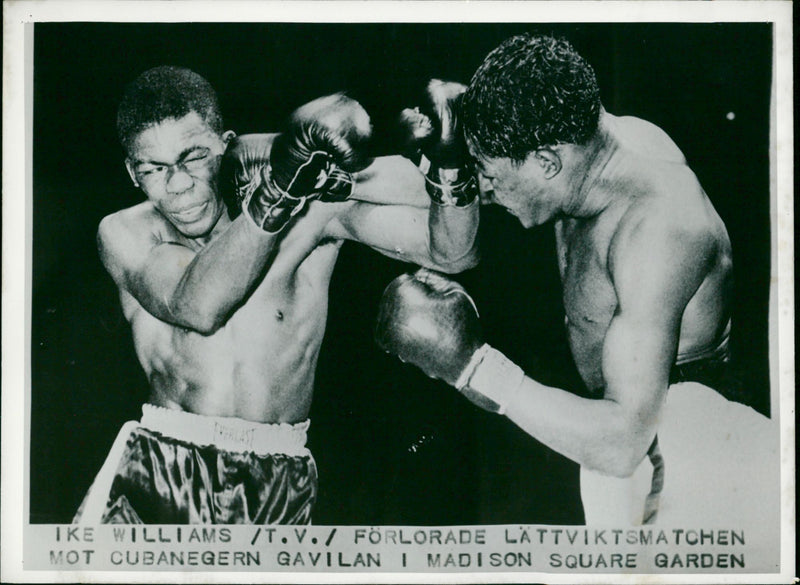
column 260, row 365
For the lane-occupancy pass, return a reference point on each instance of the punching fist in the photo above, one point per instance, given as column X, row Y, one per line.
column 244, row 168
column 313, row 159
column 430, row 321
column 433, row 139
column 326, row 142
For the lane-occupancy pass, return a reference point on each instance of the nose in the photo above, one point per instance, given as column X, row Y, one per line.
column 178, row 180
column 486, row 190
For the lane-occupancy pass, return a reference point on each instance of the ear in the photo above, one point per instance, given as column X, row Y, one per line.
column 550, row 162
column 227, row 136
column 131, row 174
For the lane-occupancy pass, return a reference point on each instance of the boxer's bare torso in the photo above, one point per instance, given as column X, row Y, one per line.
column 228, row 320
column 648, row 186
column 645, row 265
column 260, row 364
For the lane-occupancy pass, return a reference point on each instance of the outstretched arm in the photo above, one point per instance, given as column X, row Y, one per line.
column 655, row 269
column 434, row 219
column 396, row 217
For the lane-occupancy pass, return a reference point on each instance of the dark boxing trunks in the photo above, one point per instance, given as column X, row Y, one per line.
column 181, row 468
column 715, row 371
column 710, row 371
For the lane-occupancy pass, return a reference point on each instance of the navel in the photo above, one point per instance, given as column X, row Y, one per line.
column 279, row 314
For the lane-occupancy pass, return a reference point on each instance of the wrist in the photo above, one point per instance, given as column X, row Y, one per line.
column 454, row 186
column 490, row 379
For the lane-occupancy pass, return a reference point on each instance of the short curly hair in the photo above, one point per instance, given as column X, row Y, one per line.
column 529, row 92
column 162, row 93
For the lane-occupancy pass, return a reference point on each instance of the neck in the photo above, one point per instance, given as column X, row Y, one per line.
column 590, row 166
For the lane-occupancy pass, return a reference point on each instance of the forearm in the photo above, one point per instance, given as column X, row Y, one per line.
column 430, row 321
column 395, row 215
column 221, row 275
column 597, row 434
column 453, row 236
column 391, row 180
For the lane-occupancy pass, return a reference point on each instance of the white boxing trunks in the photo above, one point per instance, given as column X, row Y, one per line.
column 721, row 469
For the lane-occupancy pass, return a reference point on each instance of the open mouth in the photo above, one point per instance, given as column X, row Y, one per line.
column 191, row 213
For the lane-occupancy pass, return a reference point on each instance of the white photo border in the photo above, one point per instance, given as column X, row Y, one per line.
column 17, row 196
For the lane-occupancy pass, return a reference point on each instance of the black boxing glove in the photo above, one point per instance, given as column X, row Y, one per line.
column 325, row 142
column 244, row 168
column 433, row 139
column 246, row 184
column 430, row 321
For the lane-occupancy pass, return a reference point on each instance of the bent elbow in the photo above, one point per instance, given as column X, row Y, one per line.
column 209, row 322
column 625, row 461
column 200, row 321
column 207, row 327
column 622, row 469
column 469, row 261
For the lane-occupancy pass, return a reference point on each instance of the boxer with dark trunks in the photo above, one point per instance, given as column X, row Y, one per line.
column 645, row 265
column 228, row 310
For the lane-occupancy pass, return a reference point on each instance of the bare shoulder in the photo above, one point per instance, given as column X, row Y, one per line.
column 663, row 195
column 680, row 233
column 140, row 222
column 646, row 139
column 128, row 234
column 668, row 237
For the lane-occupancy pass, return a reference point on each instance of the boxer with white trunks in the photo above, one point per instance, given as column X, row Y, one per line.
column 645, row 265
column 228, row 309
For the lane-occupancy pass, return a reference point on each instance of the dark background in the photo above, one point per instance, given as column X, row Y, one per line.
column 392, row 446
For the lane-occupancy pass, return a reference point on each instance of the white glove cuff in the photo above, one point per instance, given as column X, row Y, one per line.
column 493, row 375
column 456, row 187
column 424, row 164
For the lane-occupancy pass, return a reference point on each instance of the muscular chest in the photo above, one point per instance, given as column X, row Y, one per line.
column 270, row 340
column 290, row 297
column 588, row 293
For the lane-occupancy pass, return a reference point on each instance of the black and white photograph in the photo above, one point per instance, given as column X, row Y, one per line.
column 326, row 294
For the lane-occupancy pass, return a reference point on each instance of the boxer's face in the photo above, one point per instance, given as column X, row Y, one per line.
column 176, row 163
column 522, row 189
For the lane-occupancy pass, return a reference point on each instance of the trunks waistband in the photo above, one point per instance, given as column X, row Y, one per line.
column 227, row 433
column 709, row 371
column 718, row 352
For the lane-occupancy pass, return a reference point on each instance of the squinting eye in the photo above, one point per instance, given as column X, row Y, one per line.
column 196, row 159
column 151, row 171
